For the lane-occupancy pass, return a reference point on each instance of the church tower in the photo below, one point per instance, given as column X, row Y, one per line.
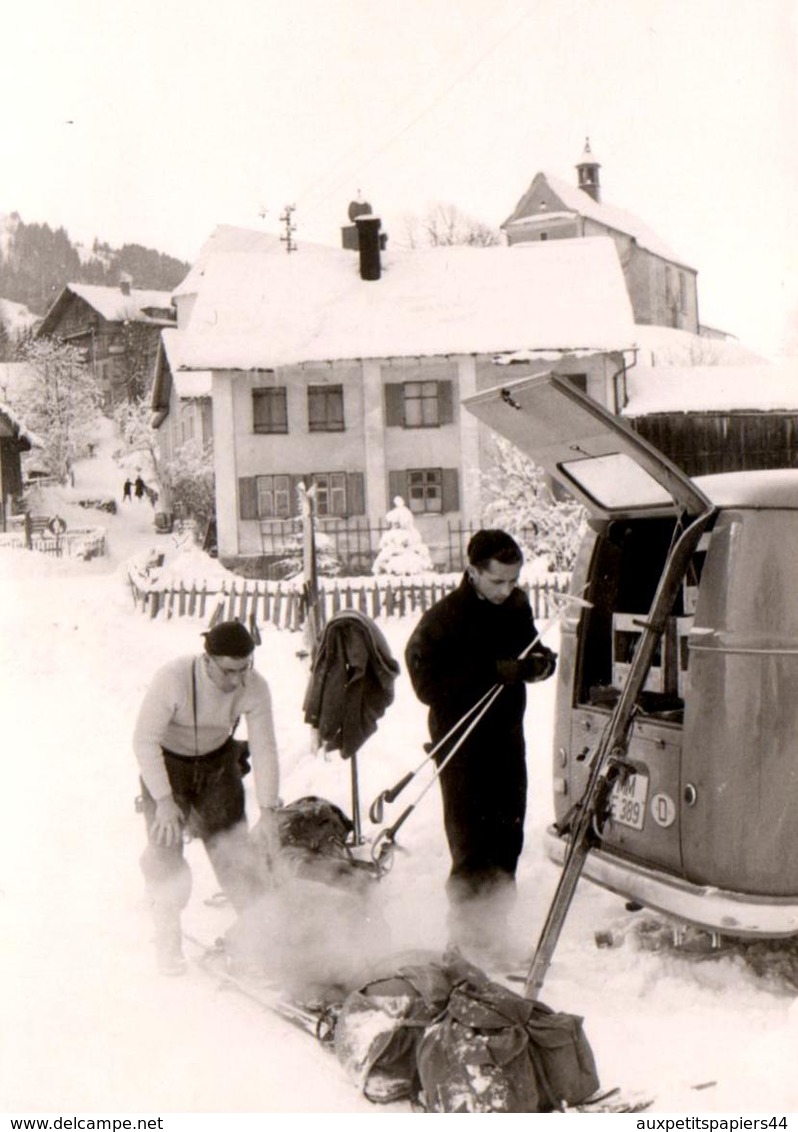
column 588, row 170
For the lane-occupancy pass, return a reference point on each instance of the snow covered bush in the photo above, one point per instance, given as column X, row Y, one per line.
column 290, row 565
column 190, row 479
column 522, row 503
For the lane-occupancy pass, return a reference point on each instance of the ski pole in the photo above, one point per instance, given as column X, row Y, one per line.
column 377, row 808
column 385, row 839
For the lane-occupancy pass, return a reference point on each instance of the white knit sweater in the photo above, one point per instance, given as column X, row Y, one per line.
column 166, row 719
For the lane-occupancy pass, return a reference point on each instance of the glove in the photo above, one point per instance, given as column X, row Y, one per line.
column 545, row 663
column 538, row 666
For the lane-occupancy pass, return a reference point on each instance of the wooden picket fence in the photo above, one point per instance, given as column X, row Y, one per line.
column 284, row 605
column 77, row 542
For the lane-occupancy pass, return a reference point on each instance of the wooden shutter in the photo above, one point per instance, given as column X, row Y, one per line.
column 394, row 405
column 450, row 489
column 247, row 498
column 397, row 485
column 445, row 403
column 355, row 494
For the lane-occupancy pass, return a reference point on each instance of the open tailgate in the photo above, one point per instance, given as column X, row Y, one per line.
column 596, row 456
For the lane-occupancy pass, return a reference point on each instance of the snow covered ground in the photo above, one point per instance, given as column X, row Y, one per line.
column 90, row 1028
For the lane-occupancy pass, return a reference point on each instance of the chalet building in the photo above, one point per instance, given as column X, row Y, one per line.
column 662, row 287
column 345, row 369
column 117, row 330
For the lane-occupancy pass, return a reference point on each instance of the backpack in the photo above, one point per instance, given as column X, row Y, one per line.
column 380, row 1025
column 314, row 835
column 494, row 1051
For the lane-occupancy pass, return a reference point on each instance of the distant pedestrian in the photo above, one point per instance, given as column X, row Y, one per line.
column 127, row 490
column 151, row 494
column 139, row 487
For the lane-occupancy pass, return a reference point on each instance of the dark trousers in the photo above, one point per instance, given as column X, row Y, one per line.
column 210, row 794
column 484, row 804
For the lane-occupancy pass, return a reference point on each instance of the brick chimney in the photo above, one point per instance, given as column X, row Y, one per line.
column 125, row 283
column 349, row 236
column 371, row 244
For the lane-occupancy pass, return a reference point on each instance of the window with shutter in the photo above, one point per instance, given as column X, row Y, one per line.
column 445, row 403
column 330, row 494
column 397, row 485
column 451, row 489
column 421, row 404
column 247, row 498
column 273, row 496
column 394, row 405
column 355, row 493
column 269, row 410
column 325, row 408
column 425, row 490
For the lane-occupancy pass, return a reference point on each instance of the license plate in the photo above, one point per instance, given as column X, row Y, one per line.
column 628, row 801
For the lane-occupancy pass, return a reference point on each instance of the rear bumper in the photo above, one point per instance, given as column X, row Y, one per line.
column 719, row 910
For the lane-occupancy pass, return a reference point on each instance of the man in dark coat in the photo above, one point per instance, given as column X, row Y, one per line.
column 465, row 644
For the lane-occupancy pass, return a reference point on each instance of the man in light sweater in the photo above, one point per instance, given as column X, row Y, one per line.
column 191, row 778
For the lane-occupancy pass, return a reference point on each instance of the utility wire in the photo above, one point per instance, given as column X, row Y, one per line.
column 413, row 122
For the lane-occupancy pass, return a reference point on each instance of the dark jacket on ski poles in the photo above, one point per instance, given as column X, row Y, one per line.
column 351, row 683
column 461, row 647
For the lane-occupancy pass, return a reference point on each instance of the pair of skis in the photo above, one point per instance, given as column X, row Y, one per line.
column 608, row 765
column 316, row 1019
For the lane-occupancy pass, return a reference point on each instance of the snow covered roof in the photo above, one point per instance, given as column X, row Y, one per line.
column 665, row 345
column 115, row 306
column 192, row 383
column 112, row 303
column 662, row 346
column 9, row 418
column 673, row 389
column 188, row 384
column 226, row 238
column 576, row 200
column 258, row 310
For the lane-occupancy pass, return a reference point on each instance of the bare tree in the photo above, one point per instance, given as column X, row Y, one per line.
column 444, row 224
